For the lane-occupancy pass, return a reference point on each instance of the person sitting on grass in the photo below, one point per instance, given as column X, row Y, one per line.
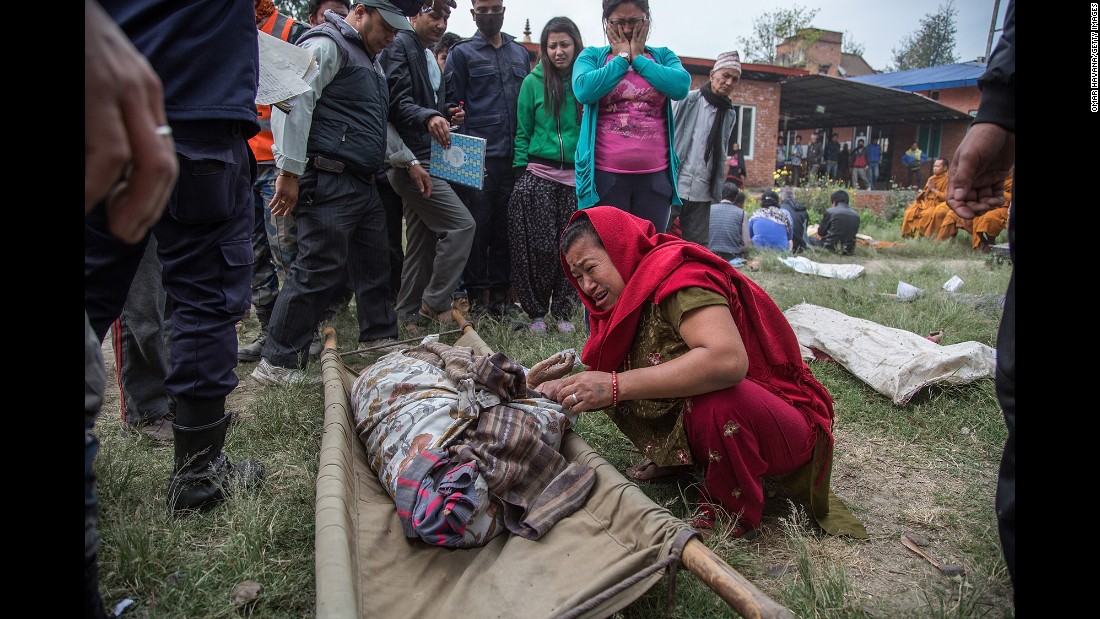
column 800, row 219
column 930, row 224
column 698, row 367
column 839, row 225
column 770, row 226
column 934, row 192
column 989, row 224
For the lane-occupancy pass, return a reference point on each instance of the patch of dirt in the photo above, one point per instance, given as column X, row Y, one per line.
column 895, row 494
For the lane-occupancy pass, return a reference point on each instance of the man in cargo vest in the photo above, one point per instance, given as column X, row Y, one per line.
column 329, row 148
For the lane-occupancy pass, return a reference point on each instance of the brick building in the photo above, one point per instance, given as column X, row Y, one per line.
column 757, row 98
column 819, row 52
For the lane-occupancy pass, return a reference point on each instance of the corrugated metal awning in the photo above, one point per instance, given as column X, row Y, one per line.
column 814, row 101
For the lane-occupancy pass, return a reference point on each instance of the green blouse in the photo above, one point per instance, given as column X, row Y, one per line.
column 656, row 426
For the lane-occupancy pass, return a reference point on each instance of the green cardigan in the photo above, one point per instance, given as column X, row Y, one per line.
column 592, row 79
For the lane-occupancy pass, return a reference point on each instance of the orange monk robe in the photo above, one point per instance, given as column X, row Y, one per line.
column 950, row 223
column 992, row 222
column 909, row 218
column 934, row 191
column 935, row 206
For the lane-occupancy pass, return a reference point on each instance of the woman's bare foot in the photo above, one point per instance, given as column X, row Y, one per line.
column 647, row 470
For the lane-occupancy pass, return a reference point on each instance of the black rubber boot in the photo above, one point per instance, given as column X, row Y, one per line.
column 253, row 350
column 204, row 476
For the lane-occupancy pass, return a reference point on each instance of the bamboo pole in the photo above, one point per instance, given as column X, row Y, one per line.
column 729, row 584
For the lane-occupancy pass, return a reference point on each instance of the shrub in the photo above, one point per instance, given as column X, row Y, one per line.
column 897, row 200
column 815, row 194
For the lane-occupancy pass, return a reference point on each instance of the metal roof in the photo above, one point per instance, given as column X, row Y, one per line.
column 932, row 78
column 814, row 101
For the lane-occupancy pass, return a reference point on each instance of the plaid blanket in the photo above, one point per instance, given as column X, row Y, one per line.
column 426, row 412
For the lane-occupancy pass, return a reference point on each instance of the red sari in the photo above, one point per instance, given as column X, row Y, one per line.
column 768, row 425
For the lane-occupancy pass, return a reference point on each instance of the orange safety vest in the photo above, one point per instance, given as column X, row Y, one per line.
column 278, row 25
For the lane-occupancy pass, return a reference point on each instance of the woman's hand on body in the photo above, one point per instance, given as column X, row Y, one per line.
column 586, row 391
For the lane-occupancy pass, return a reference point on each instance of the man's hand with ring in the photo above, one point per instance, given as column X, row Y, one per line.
column 286, row 195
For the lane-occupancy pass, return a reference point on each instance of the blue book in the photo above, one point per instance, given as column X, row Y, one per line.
column 462, row 163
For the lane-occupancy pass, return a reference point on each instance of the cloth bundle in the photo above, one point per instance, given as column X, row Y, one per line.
column 463, row 448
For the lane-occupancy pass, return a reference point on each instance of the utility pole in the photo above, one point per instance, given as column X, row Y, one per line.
column 992, row 29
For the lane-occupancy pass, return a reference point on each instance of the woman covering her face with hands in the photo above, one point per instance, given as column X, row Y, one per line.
column 699, row 368
column 624, row 155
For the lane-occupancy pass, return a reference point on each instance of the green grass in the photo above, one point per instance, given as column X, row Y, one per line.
column 934, row 460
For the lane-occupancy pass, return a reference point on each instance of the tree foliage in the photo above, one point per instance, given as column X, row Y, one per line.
column 933, row 44
column 849, row 45
column 769, row 29
column 298, row 9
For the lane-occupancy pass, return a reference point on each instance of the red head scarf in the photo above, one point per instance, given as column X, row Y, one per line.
column 654, row 266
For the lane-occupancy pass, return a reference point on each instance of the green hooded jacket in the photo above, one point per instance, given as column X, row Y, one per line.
column 538, row 132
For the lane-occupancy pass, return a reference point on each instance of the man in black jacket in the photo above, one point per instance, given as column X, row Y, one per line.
column 439, row 227
column 832, row 157
column 800, row 219
column 839, row 225
column 814, row 155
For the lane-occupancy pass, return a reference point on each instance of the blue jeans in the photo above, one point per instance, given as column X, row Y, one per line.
column 872, row 172
column 648, row 196
column 830, row 169
column 274, row 240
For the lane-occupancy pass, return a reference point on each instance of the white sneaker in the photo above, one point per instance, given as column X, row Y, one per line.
column 272, row 375
column 378, row 347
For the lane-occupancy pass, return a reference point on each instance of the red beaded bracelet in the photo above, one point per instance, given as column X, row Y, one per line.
column 614, row 388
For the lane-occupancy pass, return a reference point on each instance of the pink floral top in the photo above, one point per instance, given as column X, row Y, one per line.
column 631, row 128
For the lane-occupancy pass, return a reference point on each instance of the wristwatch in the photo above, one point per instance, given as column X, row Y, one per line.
column 411, row 163
column 625, row 56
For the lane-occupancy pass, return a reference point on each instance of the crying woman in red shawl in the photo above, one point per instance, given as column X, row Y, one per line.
column 699, row 368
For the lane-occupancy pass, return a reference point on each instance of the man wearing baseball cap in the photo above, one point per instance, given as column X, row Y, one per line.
column 704, row 121
column 328, row 150
column 389, row 11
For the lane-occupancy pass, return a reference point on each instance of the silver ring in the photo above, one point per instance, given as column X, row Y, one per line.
column 163, row 131
column 575, row 400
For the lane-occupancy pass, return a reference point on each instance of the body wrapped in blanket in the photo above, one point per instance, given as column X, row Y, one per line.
column 464, row 448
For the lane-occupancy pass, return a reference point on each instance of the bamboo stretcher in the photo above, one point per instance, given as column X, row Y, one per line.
column 591, row 564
